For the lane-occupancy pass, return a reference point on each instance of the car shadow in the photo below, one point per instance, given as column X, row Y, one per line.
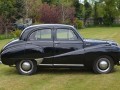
column 68, row 71
column 64, row 71
column 56, row 71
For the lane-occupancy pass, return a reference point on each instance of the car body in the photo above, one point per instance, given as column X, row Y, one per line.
column 58, row 45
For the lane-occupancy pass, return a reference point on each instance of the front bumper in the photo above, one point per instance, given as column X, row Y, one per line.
column 119, row 55
column 0, row 60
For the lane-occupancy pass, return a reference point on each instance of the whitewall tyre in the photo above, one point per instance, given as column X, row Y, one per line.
column 103, row 65
column 26, row 67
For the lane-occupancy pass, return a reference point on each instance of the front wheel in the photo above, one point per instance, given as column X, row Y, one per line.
column 103, row 65
column 26, row 67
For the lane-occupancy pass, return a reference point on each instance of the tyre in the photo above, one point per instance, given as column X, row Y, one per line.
column 26, row 67
column 103, row 65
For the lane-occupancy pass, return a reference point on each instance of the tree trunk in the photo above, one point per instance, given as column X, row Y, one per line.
column 6, row 32
column 63, row 14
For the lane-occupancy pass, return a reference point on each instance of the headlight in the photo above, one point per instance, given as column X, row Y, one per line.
column 113, row 43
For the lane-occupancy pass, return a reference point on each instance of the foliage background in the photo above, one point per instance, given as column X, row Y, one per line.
column 74, row 12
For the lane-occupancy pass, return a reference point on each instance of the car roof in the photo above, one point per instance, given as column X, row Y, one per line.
column 28, row 29
column 48, row 26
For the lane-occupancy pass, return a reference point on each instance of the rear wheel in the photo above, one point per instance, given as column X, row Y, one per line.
column 26, row 67
column 103, row 65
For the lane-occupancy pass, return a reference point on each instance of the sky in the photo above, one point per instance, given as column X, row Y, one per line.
column 81, row 1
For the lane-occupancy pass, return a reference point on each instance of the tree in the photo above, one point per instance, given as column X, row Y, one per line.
column 95, row 14
column 6, row 12
column 76, row 4
column 32, row 10
column 110, row 12
column 10, row 10
column 88, row 11
column 69, row 14
column 49, row 14
column 81, row 11
column 19, row 7
column 53, row 14
column 65, row 5
column 98, row 13
column 118, row 5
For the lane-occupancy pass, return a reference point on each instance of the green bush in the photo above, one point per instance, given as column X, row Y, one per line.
column 78, row 23
column 16, row 33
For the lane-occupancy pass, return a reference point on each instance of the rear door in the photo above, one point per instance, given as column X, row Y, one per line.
column 68, row 48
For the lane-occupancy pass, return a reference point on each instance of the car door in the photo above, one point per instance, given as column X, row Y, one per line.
column 40, row 45
column 68, row 48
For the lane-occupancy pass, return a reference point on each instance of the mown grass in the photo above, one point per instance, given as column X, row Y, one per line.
column 106, row 33
column 3, row 42
column 64, row 79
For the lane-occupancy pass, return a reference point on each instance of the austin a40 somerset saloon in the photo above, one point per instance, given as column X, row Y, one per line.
column 58, row 45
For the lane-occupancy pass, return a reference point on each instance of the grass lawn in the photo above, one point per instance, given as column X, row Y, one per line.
column 65, row 79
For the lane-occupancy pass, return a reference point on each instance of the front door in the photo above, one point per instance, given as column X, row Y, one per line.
column 40, row 45
column 68, row 48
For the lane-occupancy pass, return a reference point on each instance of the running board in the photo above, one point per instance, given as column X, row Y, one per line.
column 62, row 65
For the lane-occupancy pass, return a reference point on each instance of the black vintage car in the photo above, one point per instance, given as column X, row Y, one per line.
column 57, row 45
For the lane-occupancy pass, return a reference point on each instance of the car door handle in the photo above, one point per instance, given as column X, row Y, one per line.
column 57, row 42
column 28, row 42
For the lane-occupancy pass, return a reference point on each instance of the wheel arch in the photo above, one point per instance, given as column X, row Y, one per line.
column 89, row 60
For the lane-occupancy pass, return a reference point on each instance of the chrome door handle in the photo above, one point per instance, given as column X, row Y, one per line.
column 28, row 42
column 57, row 42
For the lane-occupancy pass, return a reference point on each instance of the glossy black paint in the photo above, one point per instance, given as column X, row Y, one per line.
column 80, row 51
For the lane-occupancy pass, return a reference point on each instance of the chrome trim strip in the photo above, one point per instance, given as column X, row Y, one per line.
column 77, row 65
column 45, row 64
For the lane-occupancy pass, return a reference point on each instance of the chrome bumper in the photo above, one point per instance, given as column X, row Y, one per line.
column 0, row 62
column 119, row 55
column 119, row 62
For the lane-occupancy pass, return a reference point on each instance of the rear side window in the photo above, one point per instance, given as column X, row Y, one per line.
column 65, row 34
column 44, row 34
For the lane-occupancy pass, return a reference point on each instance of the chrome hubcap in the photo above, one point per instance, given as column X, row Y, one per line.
column 103, row 65
column 26, row 66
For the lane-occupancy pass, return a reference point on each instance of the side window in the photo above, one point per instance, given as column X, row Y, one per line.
column 65, row 34
column 44, row 34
